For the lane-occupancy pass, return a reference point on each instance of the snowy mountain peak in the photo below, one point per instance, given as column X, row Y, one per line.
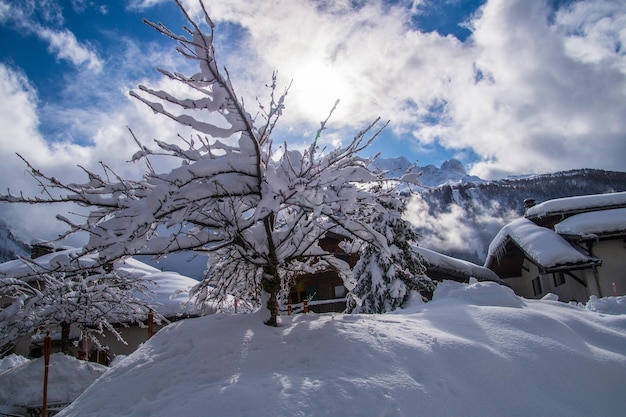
column 393, row 166
column 453, row 165
column 451, row 171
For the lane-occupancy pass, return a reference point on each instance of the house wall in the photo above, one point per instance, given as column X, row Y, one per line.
column 613, row 268
column 133, row 335
column 567, row 288
column 522, row 285
column 561, row 284
column 321, row 286
column 22, row 347
column 31, row 346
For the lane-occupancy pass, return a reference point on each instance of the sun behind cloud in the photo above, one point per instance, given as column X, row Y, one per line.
column 316, row 87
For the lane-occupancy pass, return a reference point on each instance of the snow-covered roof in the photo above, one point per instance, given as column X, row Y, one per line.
column 577, row 204
column 458, row 267
column 541, row 245
column 50, row 261
column 166, row 283
column 593, row 223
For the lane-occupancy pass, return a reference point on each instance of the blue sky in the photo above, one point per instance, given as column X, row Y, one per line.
column 102, row 29
column 505, row 86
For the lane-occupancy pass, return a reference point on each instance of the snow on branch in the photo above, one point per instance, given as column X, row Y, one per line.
column 257, row 214
column 63, row 288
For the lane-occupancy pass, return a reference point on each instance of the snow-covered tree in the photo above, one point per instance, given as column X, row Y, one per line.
column 70, row 291
column 387, row 280
column 257, row 210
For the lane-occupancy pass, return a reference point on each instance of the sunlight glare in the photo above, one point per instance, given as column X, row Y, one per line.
column 316, row 87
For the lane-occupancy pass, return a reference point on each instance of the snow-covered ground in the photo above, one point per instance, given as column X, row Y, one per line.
column 475, row 350
column 21, row 380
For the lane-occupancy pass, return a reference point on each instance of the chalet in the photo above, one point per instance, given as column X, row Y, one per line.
column 162, row 301
column 325, row 291
column 573, row 247
column 441, row 267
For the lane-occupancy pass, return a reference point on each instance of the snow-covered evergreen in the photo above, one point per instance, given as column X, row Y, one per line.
column 388, row 280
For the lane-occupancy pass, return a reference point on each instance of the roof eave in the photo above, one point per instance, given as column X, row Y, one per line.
column 573, row 267
column 571, row 212
column 590, row 237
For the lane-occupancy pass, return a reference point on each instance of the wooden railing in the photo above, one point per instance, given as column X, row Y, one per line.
column 306, row 306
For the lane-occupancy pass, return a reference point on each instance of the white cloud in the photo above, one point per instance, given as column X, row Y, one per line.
column 108, row 140
column 446, row 231
column 18, row 110
column 40, row 20
column 5, row 10
column 65, row 46
column 594, row 32
column 531, row 90
column 454, row 228
column 19, row 133
column 544, row 109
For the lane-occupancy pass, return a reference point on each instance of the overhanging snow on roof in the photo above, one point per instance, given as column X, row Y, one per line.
column 455, row 266
column 592, row 224
column 577, row 204
column 541, row 245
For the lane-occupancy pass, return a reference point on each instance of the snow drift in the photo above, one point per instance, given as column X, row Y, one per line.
column 475, row 350
column 21, row 379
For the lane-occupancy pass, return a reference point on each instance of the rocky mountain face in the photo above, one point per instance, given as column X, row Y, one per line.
column 450, row 172
column 461, row 217
column 10, row 246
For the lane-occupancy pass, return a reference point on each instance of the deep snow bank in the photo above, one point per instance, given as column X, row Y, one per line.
column 475, row 350
column 21, row 383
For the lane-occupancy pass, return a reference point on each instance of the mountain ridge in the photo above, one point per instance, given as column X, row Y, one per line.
column 460, row 219
column 455, row 214
column 450, row 171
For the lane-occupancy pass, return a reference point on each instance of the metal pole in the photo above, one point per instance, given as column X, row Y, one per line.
column 46, row 358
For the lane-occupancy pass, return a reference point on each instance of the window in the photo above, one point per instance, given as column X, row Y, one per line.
column 537, row 286
column 559, row 278
column 340, row 291
column 343, row 256
column 311, row 292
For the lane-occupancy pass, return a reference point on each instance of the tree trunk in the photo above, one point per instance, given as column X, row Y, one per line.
column 271, row 285
column 65, row 338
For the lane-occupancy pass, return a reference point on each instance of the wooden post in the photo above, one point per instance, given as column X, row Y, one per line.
column 46, row 360
column 150, row 325
column 305, row 308
column 289, row 307
column 86, row 347
column 236, row 305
